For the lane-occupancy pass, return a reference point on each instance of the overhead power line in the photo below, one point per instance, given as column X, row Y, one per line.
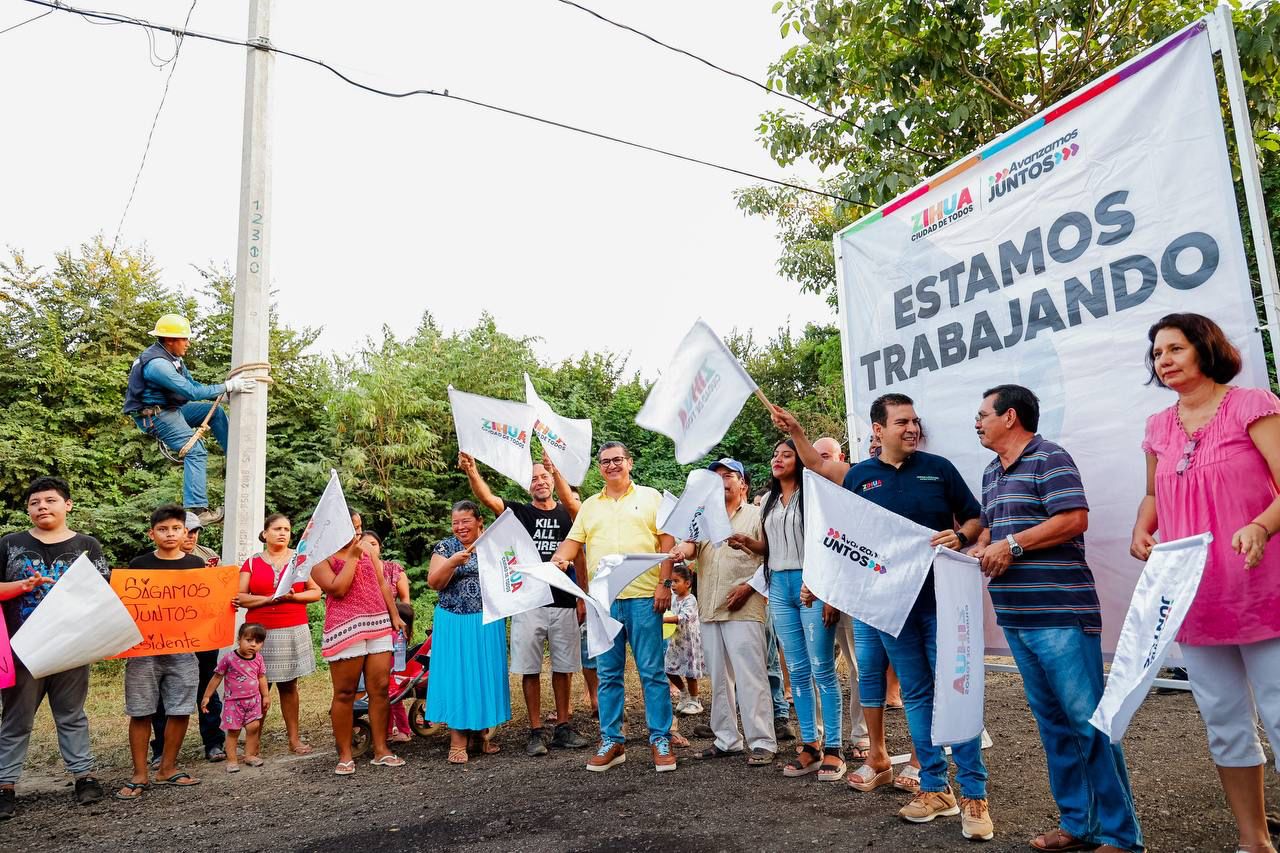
column 707, row 62
column 24, row 23
column 186, row 33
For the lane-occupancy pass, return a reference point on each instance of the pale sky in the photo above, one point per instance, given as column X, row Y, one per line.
column 385, row 208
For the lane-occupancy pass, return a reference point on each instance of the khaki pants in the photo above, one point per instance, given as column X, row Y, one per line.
column 735, row 657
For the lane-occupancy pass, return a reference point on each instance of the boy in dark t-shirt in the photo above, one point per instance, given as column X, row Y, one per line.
column 33, row 561
column 152, row 679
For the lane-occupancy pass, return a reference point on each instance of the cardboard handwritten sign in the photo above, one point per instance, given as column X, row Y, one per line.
column 179, row 610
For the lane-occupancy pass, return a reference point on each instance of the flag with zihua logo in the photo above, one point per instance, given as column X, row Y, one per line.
column 497, row 432
column 566, row 441
column 699, row 514
column 860, row 558
column 1160, row 602
column 505, row 589
column 698, row 396
column 959, row 678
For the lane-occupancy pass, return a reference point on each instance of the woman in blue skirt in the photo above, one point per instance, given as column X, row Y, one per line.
column 468, row 690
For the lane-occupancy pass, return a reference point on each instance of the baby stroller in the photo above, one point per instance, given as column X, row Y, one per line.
column 411, row 682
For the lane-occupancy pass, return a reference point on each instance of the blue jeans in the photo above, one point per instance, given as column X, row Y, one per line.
column 1061, row 672
column 174, row 427
column 773, row 665
column 914, row 656
column 641, row 627
column 811, row 657
column 873, row 662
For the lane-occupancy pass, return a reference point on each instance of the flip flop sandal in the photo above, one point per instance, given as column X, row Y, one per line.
column 344, row 768
column 135, row 789
column 714, row 751
column 176, row 780
column 678, row 739
column 866, row 779
column 908, row 779
column 860, row 750
column 1057, row 841
column 798, row 767
column 828, row 772
column 458, row 755
column 305, row 749
column 388, row 761
column 253, row 761
column 233, row 768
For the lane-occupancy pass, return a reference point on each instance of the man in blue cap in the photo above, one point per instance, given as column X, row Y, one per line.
column 732, row 615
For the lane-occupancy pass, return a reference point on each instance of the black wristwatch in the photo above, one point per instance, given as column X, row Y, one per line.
column 964, row 540
column 667, row 583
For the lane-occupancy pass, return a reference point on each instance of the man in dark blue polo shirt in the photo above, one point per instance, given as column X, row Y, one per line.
column 1034, row 513
column 928, row 490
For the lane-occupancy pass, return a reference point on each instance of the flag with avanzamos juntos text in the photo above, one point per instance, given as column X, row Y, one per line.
column 698, row 396
column 960, row 674
column 566, row 441
column 504, row 588
column 1160, row 602
column 496, row 432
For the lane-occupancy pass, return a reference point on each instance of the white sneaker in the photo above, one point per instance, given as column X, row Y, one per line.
column 689, row 707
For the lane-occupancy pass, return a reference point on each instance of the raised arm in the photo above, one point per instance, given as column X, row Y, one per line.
column 479, row 487
column 336, row 584
column 833, row 469
column 563, row 490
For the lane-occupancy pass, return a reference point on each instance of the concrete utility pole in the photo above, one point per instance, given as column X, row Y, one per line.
column 247, row 455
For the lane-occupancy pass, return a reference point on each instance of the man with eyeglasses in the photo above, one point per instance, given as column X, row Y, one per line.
column 623, row 519
column 1034, row 516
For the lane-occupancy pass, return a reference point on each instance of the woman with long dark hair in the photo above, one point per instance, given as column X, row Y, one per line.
column 807, row 631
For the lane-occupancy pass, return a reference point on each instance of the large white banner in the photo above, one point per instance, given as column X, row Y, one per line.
column 1160, row 602
column 960, row 676
column 860, row 558
column 1042, row 260
column 504, row 589
column 698, row 397
column 699, row 515
column 79, row 621
column 497, row 432
column 328, row 531
column 567, row 441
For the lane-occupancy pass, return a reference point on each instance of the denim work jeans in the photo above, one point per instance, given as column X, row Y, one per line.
column 873, row 663
column 914, row 656
column 781, row 708
column 174, row 427
column 810, row 649
column 1061, row 672
column 642, row 628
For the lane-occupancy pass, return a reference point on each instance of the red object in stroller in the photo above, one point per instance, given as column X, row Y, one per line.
column 411, row 683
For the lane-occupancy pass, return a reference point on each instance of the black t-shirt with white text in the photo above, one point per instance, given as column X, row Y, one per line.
column 23, row 555
column 548, row 527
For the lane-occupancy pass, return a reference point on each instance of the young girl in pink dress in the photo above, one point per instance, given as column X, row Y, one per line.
column 246, row 696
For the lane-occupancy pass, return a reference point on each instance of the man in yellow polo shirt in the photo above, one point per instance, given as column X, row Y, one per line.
column 623, row 519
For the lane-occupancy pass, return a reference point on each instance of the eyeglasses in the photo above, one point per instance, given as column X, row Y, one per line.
column 612, row 460
column 1185, row 462
column 982, row 416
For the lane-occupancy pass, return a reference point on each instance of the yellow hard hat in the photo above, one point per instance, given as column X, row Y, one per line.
column 172, row 326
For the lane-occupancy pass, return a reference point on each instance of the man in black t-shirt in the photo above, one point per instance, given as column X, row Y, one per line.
column 556, row 624
column 34, row 560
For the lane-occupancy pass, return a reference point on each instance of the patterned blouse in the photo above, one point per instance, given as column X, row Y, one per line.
column 462, row 595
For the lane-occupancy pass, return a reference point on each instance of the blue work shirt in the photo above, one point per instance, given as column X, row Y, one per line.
column 160, row 373
column 926, row 489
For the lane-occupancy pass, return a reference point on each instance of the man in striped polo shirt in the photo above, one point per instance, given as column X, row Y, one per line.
column 1034, row 516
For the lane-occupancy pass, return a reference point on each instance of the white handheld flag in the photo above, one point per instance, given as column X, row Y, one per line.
column 500, row 551
column 566, row 440
column 1160, row 602
column 79, row 621
column 327, row 532
column 758, row 583
column 669, row 502
column 699, row 396
column 497, row 432
column 862, row 559
column 960, row 674
column 601, row 627
column 615, row 572
column 699, row 515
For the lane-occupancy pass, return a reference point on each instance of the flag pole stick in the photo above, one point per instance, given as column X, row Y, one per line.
column 763, row 399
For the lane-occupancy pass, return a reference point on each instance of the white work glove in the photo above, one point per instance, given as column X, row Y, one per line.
column 240, row 386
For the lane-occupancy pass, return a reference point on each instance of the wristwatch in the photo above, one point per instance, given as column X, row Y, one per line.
column 1014, row 548
column 964, row 540
column 667, row 583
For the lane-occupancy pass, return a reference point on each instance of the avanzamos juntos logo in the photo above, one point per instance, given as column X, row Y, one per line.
column 859, row 554
column 1033, row 166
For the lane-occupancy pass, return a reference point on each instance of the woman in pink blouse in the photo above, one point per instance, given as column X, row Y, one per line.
column 1213, row 462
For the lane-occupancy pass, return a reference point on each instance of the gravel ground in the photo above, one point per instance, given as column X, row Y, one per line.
column 509, row 802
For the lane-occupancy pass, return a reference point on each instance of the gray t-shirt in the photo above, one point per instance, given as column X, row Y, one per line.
column 784, row 530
